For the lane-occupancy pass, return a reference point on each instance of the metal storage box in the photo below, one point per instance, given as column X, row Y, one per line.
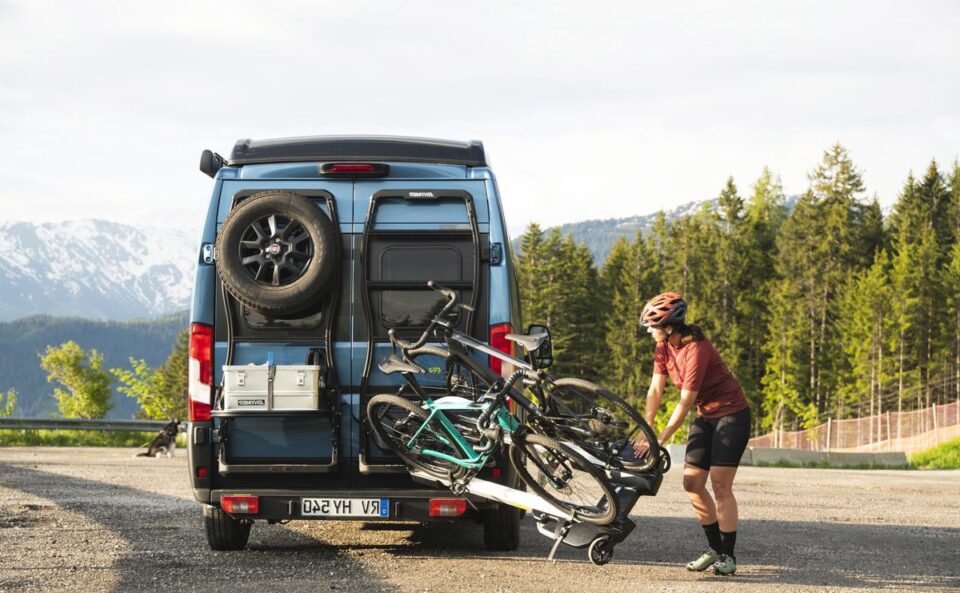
column 268, row 388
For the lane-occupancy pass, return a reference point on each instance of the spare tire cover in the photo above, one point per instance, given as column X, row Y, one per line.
column 277, row 253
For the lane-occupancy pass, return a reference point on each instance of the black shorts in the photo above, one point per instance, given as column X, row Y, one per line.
column 718, row 441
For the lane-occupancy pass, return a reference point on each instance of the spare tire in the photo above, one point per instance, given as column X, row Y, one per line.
column 277, row 253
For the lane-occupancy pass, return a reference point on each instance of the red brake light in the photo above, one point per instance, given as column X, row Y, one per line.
column 202, row 472
column 200, row 374
column 249, row 505
column 499, row 341
column 447, row 507
column 342, row 168
column 355, row 169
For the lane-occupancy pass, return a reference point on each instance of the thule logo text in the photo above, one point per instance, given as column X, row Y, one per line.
column 252, row 402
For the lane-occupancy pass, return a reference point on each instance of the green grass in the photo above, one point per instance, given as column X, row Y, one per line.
column 77, row 438
column 945, row 456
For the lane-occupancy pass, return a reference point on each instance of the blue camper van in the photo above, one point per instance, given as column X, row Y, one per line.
column 312, row 250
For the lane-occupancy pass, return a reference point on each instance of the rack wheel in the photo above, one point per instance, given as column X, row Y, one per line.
column 665, row 461
column 600, row 551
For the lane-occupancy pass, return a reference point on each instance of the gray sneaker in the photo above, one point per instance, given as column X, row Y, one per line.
column 705, row 561
column 725, row 566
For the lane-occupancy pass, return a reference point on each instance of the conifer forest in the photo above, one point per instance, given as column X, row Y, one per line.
column 832, row 308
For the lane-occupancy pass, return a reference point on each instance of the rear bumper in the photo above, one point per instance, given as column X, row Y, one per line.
column 405, row 505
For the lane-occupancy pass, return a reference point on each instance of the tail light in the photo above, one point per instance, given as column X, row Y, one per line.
column 498, row 340
column 242, row 505
column 200, row 374
column 354, row 170
column 447, row 507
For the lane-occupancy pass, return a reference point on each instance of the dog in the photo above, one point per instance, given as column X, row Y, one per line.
column 165, row 443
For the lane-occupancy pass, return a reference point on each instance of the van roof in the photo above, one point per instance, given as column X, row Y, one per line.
column 358, row 148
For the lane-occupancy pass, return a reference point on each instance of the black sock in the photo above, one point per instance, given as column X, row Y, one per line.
column 729, row 542
column 713, row 535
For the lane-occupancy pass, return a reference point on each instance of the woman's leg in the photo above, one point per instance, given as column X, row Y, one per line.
column 729, row 441
column 696, row 470
column 695, row 483
column 721, row 480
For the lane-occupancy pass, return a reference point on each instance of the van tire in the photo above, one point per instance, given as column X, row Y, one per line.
column 301, row 289
column 501, row 529
column 224, row 532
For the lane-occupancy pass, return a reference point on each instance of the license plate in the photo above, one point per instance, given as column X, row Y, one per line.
column 345, row 507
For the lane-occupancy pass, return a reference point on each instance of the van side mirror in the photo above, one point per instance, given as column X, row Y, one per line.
column 211, row 162
column 542, row 358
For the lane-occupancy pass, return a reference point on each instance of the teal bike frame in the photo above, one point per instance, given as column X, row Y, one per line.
column 473, row 459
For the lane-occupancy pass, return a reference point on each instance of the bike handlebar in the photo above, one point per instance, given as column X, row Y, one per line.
column 452, row 299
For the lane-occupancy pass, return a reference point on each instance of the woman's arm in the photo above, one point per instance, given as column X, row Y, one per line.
column 657, row 384
column 679, row 414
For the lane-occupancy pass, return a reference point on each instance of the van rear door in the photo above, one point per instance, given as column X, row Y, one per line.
column 407, row 233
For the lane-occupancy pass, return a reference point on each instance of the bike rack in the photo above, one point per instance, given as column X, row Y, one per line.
column 370, row 286
column 561, row 525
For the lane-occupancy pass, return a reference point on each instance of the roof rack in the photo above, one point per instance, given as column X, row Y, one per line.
column 358, row 148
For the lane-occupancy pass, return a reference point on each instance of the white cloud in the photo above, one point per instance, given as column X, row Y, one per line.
column 588, row 111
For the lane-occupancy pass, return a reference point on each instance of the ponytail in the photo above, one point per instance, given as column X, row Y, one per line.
column 690, row 333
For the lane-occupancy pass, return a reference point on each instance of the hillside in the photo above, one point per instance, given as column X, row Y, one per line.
column 22, row 341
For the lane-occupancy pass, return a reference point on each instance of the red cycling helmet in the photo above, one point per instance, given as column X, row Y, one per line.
column 668, row 308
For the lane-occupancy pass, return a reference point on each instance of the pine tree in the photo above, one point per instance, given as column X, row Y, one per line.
column 790, row 380
column 764, row 215
column 558, row 287
column 914, row 281
column 951, row 279
column 729, row 273
column 784, row 349
column 529, row 268
column 633, row 275
column 867, row 329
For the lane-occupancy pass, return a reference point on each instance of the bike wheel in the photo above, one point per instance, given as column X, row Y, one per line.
column 600, row 422
column 564, row 477
column 404, row 428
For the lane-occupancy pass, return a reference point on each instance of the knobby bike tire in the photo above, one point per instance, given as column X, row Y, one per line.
column 600, row 422
column 395, row 420
column 564, row 477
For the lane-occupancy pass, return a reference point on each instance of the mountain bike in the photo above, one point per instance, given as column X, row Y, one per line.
column 598, row 423
column 453, row 436
column 426, row 438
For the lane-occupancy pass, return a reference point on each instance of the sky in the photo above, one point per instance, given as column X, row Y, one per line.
column 587, row 110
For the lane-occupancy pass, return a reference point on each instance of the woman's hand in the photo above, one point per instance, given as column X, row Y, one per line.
column 640, row 447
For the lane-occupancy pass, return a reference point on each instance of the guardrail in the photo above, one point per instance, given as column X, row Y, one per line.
column 83, row 424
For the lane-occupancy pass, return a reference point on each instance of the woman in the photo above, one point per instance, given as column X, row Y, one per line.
column 718, row 436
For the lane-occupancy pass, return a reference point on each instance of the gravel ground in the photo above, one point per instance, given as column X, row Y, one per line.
column 101, row 520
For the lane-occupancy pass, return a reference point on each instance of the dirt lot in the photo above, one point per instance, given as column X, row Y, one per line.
column 101, row 520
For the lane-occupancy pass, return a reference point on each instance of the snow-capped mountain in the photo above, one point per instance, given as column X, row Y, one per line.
column 94, row 268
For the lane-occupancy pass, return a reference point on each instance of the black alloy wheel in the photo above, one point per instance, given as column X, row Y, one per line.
column 276, row 250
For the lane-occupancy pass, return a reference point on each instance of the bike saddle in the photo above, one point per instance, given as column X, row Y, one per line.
column 394, row 364
column 529, row 343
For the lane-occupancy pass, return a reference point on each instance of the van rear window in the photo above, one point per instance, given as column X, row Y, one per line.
column 409, row 308
column 419, row 263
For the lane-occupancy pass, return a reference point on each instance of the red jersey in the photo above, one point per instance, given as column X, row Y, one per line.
column 697, row 366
